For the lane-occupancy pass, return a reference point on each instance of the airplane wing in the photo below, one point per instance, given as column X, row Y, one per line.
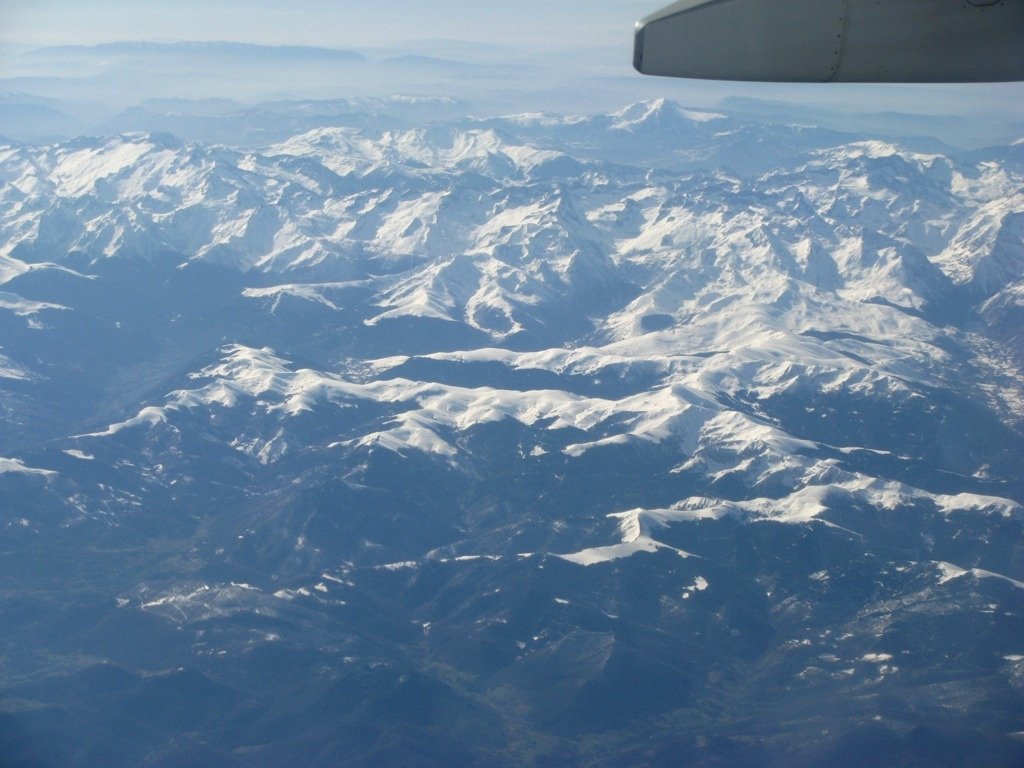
column 919, row 41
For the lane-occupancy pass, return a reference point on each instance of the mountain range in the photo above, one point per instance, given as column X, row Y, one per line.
column 661, row 437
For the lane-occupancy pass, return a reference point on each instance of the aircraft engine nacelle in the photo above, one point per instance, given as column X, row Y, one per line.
column 923, row 41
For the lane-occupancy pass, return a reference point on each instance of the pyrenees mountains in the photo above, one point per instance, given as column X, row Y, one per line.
column 661, row 437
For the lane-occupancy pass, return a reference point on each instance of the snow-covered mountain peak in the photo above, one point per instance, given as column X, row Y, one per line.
column 877, row 149
column 987, row 253
column 418, row 150
column 660, row 113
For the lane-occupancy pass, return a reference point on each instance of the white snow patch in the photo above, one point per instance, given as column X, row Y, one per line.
column 24, row 307
column 77, row 172
column 876, row 657
column 701, row 117
column 635, row 538
column 950, row 572
column 409, row 435
column 10, row 370
column 699, row 584
column 973, row 502
column 17, row 466
column 596, row 555
column 399, row 566
column 150, row 415
column 314, row 292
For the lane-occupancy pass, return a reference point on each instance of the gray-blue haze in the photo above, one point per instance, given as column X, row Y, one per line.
column 495, row 57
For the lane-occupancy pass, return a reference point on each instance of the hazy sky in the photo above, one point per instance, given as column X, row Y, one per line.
column 598, row 32
column 334, row 23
